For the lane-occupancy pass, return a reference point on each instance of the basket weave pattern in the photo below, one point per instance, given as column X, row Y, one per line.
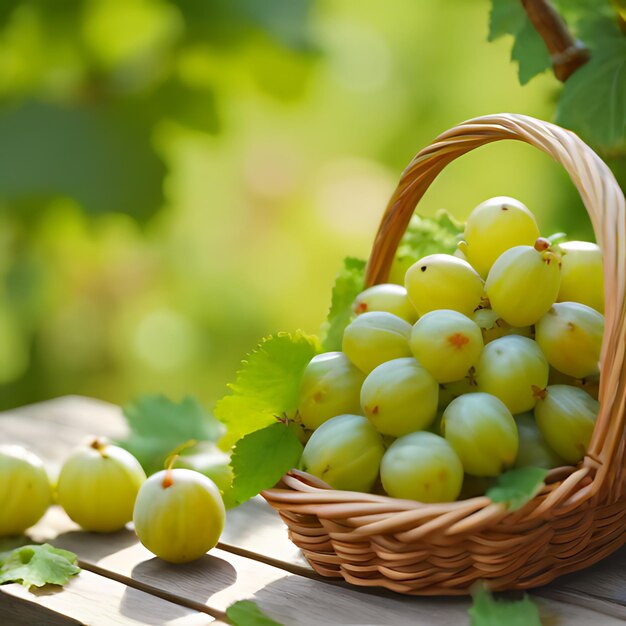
column 442, row 549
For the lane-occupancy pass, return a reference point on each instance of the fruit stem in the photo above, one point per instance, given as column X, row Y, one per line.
column 168, row 481
column 99, row 445
column 539, row 393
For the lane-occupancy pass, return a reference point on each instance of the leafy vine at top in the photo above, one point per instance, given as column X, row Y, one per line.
column 584, row 41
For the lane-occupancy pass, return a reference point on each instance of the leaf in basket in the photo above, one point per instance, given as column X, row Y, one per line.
column 247, row 613
column 517, row 486
column 593, row 102
column 348, row 285
column 271, row 373
column 424, row 236
column 267, row 385
column 241, row 415
column 508, row 17
column 158, row 425
column 262, row 457
column 486, row 611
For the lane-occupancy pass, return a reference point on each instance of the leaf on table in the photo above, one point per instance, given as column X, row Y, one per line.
column 487, row 611
column 267, row 385
column 262, row 457
column 38, row 566
column 507, row 17
column 158, row 425
column 349, row 283
column 517, row 486
column 593, row 102
column 247, row 613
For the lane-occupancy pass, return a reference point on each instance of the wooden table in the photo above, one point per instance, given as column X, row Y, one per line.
column 123, row 583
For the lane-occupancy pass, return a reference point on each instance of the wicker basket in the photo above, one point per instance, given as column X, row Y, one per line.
column 442, row 549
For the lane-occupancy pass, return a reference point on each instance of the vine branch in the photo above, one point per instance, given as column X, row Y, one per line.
column 567, row 54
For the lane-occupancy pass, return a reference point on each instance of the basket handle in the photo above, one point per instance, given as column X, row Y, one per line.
column 604, row 202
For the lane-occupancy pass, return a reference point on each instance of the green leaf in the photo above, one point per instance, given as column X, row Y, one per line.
column 38, row 566
column 247, row 613
column 577, row 13
column 208, row 459
column 348, row 285
column 108, row 158
column 267, row 385
column 430, row 235
column 530, row 53
column 593, row 102
column 158, row 425
column 286, row 22
column 424, row 236
column 486, row 611
column 228, row 21
column 556, row 238
column 599, row 28
column 529, row 50
column 517, row 486
column 241, row 415
column 262, row 457
column 272, row 372
column 505, row 18
column 196, row 108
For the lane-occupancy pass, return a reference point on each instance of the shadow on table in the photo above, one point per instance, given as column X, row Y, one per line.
column 299, row 601
column 139, row 606
column 96, row 545
column 196, row 582
column 605, row 580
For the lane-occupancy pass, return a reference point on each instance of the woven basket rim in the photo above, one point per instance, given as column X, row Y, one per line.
column 597, row 482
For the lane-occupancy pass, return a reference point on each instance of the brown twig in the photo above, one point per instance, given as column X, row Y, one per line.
column 567, row 53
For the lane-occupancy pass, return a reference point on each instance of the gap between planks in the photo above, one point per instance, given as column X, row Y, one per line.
column 92, row 599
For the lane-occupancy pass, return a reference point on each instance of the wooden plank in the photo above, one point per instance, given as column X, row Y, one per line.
column 255, row 533
column 94, row 600
column 220, row 578
column 601, row 587
column 255, row 530
column 16, row 611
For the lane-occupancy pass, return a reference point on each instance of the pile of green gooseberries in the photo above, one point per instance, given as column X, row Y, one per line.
column 178, row 513
column 481, row 361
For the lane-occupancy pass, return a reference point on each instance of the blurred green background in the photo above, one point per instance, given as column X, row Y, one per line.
column 180, row 178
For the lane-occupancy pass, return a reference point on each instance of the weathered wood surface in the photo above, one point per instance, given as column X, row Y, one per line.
column 92, row 599
column 255, row 559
